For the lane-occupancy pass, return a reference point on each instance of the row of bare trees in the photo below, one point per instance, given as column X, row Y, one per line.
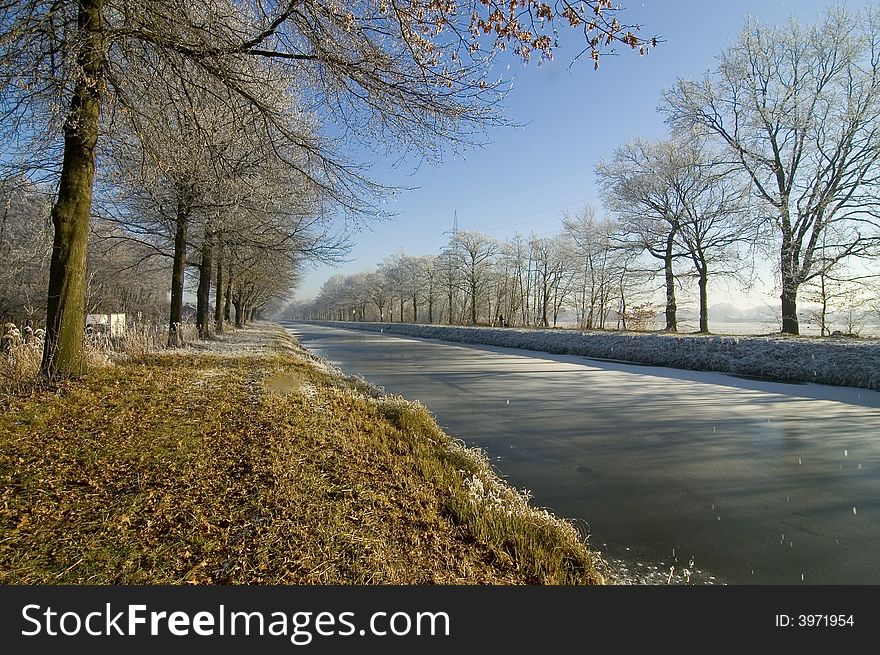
column 774, row 153
column 595, row 274
column 477, row 280
column 197, row 128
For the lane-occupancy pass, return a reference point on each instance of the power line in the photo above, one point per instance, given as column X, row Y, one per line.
column 541, row 182
column 507, row 220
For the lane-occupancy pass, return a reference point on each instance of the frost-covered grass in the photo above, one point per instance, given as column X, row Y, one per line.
column 838, row 361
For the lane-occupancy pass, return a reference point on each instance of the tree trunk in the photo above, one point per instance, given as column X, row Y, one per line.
column 704, row 299
column 583, row 320
column 227, row 305
column 178, row 271
column 789, row 286
column 239, row 319
column 415, row 309
column 671, row 319
column 544, row 302
column 203, row 294
column 789, row 308
column 218, row 294
column 65, row 304
column 473, row 302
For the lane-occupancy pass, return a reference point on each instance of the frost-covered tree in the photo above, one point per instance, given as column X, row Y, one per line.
column 127, row 276
column 638, row 187
column 473, row 253
column 597, row 263
column 430, row 277
column 378, row 292
column 798, row 109
column 449, row 281
column 715, row 217
column 677, row 198
column 552, row 265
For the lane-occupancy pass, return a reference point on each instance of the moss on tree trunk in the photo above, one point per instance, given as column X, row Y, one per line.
column 703, row 283
column 65, row 311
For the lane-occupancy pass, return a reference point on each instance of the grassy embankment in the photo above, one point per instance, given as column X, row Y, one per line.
column 258, row 465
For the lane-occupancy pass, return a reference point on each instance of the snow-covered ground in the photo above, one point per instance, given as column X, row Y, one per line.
column 839, row 361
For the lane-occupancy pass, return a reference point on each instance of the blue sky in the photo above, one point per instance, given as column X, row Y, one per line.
column 571, row 117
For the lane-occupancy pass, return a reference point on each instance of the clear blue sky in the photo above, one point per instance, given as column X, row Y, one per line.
column 573, row 116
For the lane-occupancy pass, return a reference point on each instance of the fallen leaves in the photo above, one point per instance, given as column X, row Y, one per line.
column 173, row 469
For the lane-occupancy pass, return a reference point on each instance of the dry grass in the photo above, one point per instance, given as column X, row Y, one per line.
column 20, row 366
column 270, row 469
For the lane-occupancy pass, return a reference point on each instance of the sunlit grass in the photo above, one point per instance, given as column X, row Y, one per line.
column 185, row 468
column 20, row 358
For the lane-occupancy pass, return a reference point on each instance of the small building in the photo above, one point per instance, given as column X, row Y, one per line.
column 110, row 325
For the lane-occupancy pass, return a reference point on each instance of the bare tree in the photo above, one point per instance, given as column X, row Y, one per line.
column 199, row 172
column 518, row 254
column 506, row 283
column 414, row 67
column 262, row 282
column 125, row 276
column 377, row 292
column 450, row 277
column 648, row 208
column 413, row 272
column 398, row 283
column 798, row 109
column 597, row 257
column 839, row 293
column 430, row 275
column 714, row 218
column 473, row 252
column 553, row 274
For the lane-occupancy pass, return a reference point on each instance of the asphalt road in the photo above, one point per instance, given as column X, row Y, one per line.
column 744, row 481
